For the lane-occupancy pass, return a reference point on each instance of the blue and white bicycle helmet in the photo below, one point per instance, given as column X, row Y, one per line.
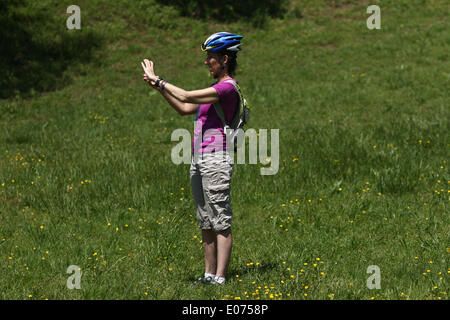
column 222, row 41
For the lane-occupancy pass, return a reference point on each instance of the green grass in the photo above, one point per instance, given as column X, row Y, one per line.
column 86, row 177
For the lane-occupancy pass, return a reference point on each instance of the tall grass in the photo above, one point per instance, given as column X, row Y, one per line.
column 86, row 177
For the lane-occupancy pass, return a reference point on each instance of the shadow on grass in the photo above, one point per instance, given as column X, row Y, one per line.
column 262, row 268
column 231, row 10
column 37, row 48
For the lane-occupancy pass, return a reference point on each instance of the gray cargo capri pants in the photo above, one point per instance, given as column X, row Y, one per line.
column 210, row 181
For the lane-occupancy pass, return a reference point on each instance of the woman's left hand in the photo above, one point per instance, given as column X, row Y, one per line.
column 151, row 83
column 147, row 65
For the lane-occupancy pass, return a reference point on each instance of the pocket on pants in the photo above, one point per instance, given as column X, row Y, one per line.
column 218, row 193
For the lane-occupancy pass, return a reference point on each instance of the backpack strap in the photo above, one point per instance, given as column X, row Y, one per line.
column 219, row 109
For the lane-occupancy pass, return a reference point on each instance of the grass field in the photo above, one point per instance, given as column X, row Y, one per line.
column 86, row 177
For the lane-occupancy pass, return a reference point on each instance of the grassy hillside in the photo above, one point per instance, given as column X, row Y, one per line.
column 86, row 177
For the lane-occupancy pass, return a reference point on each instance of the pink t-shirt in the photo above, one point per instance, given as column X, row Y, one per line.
column 208, row 120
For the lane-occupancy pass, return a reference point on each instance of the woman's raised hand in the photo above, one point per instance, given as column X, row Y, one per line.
column 149, row 75
column 147, row 65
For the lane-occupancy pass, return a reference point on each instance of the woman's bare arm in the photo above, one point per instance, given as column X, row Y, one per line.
column 182, row 108
column 203, row 96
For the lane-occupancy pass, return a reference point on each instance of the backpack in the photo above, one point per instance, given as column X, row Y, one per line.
column 241, row 116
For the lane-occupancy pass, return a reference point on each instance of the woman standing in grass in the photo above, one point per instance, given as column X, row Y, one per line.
column 212, row 165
